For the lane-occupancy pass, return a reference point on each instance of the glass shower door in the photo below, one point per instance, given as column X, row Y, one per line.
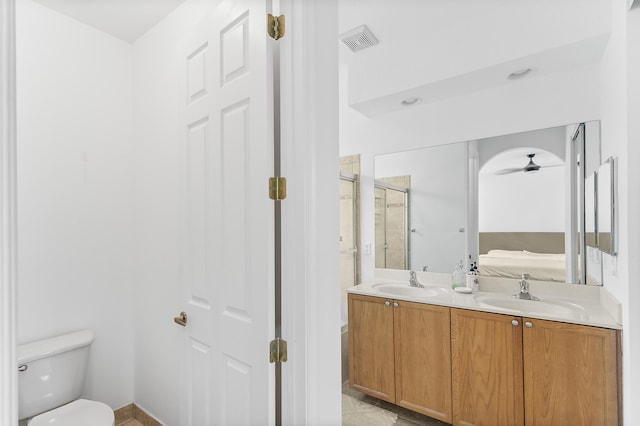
column 348, row 245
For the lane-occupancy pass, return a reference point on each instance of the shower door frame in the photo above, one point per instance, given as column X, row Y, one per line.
column 406, row 191
column 349, row 177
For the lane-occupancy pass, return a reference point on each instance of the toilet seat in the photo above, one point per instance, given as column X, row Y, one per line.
column 81, row 412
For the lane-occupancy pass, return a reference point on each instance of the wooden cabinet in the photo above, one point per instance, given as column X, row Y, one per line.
column 509, row 370
column 477, row 368
column 371, row 351
column 570, row 374
column 487, row 377
column 422, row 336
column 400, row 352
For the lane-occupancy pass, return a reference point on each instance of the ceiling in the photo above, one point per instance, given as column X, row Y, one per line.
column 437, row 49
column 429, row 49
column 124, row 19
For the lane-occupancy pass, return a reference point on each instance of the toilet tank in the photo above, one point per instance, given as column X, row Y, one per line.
column 51, row 372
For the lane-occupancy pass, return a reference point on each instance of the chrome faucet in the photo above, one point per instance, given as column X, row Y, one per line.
column 524, row 289
column 413, row 280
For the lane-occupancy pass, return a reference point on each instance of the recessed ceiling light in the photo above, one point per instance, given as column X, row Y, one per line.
column 411, row 101
column 519, row 73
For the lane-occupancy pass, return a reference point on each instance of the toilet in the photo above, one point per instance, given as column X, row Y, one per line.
column 51, row 377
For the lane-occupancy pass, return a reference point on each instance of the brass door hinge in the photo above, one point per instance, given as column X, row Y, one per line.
column 275, row 26
column 278, row 350
column 277, row 188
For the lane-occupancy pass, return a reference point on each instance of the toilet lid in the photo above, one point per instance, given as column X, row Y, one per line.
column 81, row 412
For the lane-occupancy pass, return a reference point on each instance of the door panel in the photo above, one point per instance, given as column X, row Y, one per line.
column 486, row 361
column 570, row 374
column 423, row 358
column 229, row 237
column 371, row 353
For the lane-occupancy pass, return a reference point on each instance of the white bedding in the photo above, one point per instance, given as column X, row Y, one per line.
column 512, row 264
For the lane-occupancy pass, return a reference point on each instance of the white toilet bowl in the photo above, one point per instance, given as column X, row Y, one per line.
column 51, row 378
column 81, row 412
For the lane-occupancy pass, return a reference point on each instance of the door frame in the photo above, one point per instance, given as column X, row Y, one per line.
column 310, row 232
column 311, row 282
column 8, row 217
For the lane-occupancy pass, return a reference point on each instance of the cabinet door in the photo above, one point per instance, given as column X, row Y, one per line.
column 371, row 346
column 570, row 374
column 487, row 381
column 423, row 358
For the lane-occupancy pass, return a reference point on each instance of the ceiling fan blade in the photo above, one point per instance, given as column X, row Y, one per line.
column 507, row 171
column 552, row 165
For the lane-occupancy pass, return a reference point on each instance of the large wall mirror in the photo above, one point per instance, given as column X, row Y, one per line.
column 514, row 204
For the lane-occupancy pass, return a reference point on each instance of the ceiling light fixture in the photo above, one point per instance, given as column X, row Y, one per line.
column 411, row 101
column 519, row 73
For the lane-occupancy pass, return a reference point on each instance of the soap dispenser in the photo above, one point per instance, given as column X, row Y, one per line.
column 458, row 276
column 472, row 278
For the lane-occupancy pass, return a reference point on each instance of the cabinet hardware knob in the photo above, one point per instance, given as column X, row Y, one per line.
column 387, row 303
column 182, row 319
column 23, row 367
column 515, row 322
column 528, row 324
column 395, row 304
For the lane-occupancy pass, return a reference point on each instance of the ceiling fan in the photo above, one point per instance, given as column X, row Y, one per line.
column 530, row 167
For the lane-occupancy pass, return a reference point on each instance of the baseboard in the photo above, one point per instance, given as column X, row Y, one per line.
column 133, row 412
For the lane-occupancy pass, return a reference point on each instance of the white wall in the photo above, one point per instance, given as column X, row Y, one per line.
column 620, row 134
column 437, row 202
column 74, row 180
column 522, row 202
column 157, row 209
column 632, row 342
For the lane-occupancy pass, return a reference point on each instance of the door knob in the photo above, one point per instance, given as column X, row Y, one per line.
column 182, row 319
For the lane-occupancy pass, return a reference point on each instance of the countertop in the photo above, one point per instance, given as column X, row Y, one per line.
column 576, row 304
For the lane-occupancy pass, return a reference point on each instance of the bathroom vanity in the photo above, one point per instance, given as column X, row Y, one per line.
column 486, row 358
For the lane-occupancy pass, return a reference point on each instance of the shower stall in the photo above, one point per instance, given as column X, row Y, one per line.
column 392, row 221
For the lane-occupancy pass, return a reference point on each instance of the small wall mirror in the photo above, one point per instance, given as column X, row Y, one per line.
column 606, row 210
column 593, row 254
column 590, row 206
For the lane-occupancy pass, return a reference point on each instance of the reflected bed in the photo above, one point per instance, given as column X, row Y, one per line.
column 514, row 263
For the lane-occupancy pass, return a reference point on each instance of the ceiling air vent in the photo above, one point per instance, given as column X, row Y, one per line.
column 359, row 38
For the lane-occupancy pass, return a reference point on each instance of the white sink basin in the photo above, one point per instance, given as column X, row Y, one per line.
column 524, row 307
column 393, row 289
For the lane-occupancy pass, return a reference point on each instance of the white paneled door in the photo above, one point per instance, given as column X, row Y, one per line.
column 229, row 222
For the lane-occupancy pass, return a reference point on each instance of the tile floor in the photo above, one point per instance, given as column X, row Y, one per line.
column 132, row 422
column 359, row 409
